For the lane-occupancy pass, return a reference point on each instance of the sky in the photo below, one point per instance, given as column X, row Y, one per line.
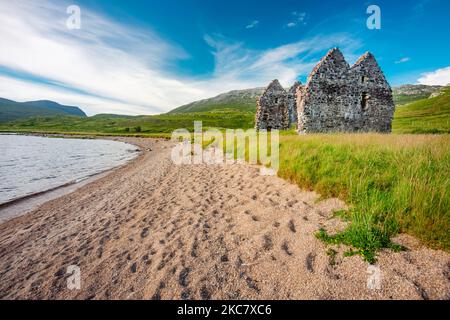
column 148, row 57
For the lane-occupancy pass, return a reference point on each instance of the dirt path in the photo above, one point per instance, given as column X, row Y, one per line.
column 156, row 230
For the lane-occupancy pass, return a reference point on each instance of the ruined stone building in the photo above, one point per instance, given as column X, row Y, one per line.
column 272, row 109
column 292, row 102
column 338, row 97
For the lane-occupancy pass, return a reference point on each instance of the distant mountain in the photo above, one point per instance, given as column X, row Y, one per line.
column 412, row 92
column 244, row 100
column 12, row 110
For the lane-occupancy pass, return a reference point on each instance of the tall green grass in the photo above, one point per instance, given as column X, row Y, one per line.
column 393, row 183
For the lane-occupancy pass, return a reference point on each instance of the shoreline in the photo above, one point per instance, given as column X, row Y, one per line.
column 24, row 204
column 155, row 230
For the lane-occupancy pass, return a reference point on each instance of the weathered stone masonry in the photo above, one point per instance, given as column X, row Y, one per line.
column 292, row 102
column 338, row 97
column 272, row 111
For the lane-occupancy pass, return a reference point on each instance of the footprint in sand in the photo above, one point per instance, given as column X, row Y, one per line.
column 286, row 249
column 144, row 233
column 310, row 258
column 183, row 277
column 291, row 226
column 205, row 294
column 267, row 243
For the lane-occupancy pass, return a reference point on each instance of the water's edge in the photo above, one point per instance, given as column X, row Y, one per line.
column 22, row 205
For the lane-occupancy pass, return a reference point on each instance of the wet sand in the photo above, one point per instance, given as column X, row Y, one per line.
column 154, row 230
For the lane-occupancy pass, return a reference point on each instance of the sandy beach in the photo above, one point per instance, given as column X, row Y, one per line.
column 155, row 230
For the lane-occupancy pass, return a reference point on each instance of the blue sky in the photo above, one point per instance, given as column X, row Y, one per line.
column 146, row 57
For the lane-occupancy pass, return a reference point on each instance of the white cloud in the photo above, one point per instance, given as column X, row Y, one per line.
column 440, row 77
column 252, row 25
column 242, row 67
column 116, row 68
column 103, row 58
column 299, row 19
column 403, row 60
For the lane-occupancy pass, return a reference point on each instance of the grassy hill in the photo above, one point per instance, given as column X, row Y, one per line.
column 242, row 100
column 245, row 100
column 12, row 110
column 431, row 115
column 131, row 125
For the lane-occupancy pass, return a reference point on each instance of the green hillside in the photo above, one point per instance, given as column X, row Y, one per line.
column 131, row 125
column 243, row 100
column 12, row 110
column 430, row 115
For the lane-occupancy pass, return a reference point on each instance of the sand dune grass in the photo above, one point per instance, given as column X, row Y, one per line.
column 393, row 183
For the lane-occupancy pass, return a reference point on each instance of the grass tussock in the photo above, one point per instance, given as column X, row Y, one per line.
column 393, row 183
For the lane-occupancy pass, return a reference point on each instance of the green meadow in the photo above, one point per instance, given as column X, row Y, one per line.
column 392, row 183
column 132, row 125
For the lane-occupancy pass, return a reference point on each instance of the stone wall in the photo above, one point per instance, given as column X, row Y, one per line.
column 339, row 98
column 374, row 96
column 336, row 98
column 272, row 111
column 292, row 103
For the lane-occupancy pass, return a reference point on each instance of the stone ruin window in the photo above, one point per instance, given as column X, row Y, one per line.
column 364, row 79
column 364, row 100
column 276, row 100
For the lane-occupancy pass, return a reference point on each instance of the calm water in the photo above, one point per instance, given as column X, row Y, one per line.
column 34, row 164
